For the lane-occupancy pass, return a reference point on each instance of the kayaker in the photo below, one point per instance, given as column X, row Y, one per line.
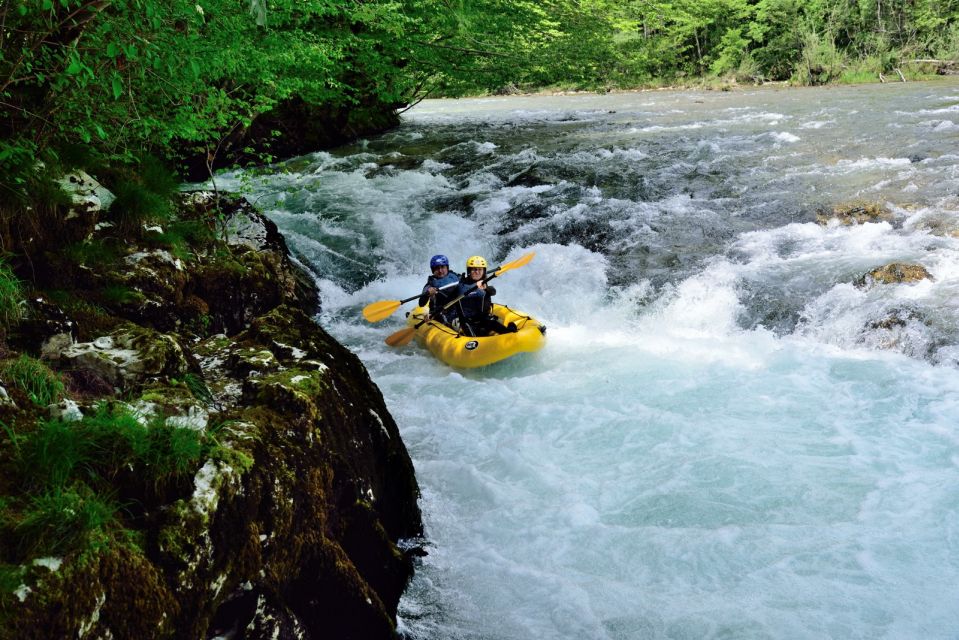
column 440, row 289
column 475, row 307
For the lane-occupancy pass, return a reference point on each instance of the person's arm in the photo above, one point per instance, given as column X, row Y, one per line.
column 426, row 293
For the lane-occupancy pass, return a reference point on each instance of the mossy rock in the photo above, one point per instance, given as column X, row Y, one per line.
column 129, row 356
column 92, row 596
column 894, row 273
column 855, row 212
column 307, row 486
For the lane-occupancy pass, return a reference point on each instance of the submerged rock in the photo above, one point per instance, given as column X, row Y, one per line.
column 856, row 212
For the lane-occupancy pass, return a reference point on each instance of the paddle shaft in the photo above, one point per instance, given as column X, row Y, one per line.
column 459, row 297
column 382, row 309
column 445, row 286
column 403, row 336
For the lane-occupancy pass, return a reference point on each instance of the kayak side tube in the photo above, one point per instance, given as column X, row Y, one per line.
column 466, row 352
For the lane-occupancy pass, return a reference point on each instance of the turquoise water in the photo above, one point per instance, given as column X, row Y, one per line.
column 724, row 437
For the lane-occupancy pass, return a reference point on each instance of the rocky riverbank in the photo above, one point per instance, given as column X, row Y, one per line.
column 295, row 515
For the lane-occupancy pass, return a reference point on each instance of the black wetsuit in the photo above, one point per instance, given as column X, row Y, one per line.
column 475, row 310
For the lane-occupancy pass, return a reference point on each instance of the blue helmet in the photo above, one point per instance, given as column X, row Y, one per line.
column 439, row 261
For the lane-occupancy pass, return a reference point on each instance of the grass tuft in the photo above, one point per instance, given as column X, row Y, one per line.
column 144, row 195
column 50, row 456
column 11, row 297
column 58, row 521
column 41, row 385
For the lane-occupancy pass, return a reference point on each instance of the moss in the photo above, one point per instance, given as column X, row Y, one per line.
column 72, row 599
column 293, row 391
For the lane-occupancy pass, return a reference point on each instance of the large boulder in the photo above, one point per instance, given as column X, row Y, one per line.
column 300, row 522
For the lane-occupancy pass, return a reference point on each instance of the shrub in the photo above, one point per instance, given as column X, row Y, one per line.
column 144, row 194
column 820, row 61
column 182, row 235
column 41, row 385
column 135, row 205
column 173, row 451
column 748, row 71
column 11, row 577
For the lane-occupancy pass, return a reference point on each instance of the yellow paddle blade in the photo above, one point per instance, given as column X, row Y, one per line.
column 515, row 264
column 401, row 337
column 380, row 310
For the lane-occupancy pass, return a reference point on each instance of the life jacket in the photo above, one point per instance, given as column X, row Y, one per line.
column 442, row 298
column 475, row 303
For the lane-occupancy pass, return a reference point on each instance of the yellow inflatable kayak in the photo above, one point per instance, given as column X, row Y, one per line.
column 465, row 352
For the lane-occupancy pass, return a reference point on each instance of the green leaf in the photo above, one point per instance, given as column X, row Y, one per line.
column 117, row 87
column 112, row 50
column 47, row 5
column 75, row 67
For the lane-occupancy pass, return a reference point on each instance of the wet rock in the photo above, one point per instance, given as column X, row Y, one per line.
column 457, row 201
column 939, row 224
column 5, row 398
column 267, row 617
column 89, row 197
column 894, row 273
column 856, row 212
column 128, row 357
column 393, row 163
column 532, row 176
column 290, row 526
column 46, row 329
column 898, row 330
column 66, row 410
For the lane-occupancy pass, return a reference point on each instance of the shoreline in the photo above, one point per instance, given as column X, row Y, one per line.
column 702, row 86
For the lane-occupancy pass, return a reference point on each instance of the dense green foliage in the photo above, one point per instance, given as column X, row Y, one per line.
column 98, row 82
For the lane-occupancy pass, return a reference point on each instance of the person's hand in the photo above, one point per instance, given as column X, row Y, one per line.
column 481, row 285
column 432, row 291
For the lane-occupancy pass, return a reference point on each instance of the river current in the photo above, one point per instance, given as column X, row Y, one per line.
column 725, row 436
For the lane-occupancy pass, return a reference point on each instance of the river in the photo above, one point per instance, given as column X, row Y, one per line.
column 724, row 436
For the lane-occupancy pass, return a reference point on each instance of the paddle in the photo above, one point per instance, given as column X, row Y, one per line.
column 403, row 336
column 383, row 309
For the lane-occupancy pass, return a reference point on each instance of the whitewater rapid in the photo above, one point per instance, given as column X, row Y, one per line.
column 724, row 436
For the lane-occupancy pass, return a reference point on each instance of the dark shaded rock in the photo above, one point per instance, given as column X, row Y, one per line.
column 531, row 176
column 117, row 589
column 45, row 329
column 294, row 128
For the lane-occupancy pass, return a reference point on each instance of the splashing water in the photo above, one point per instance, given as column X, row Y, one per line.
column 725, row 436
